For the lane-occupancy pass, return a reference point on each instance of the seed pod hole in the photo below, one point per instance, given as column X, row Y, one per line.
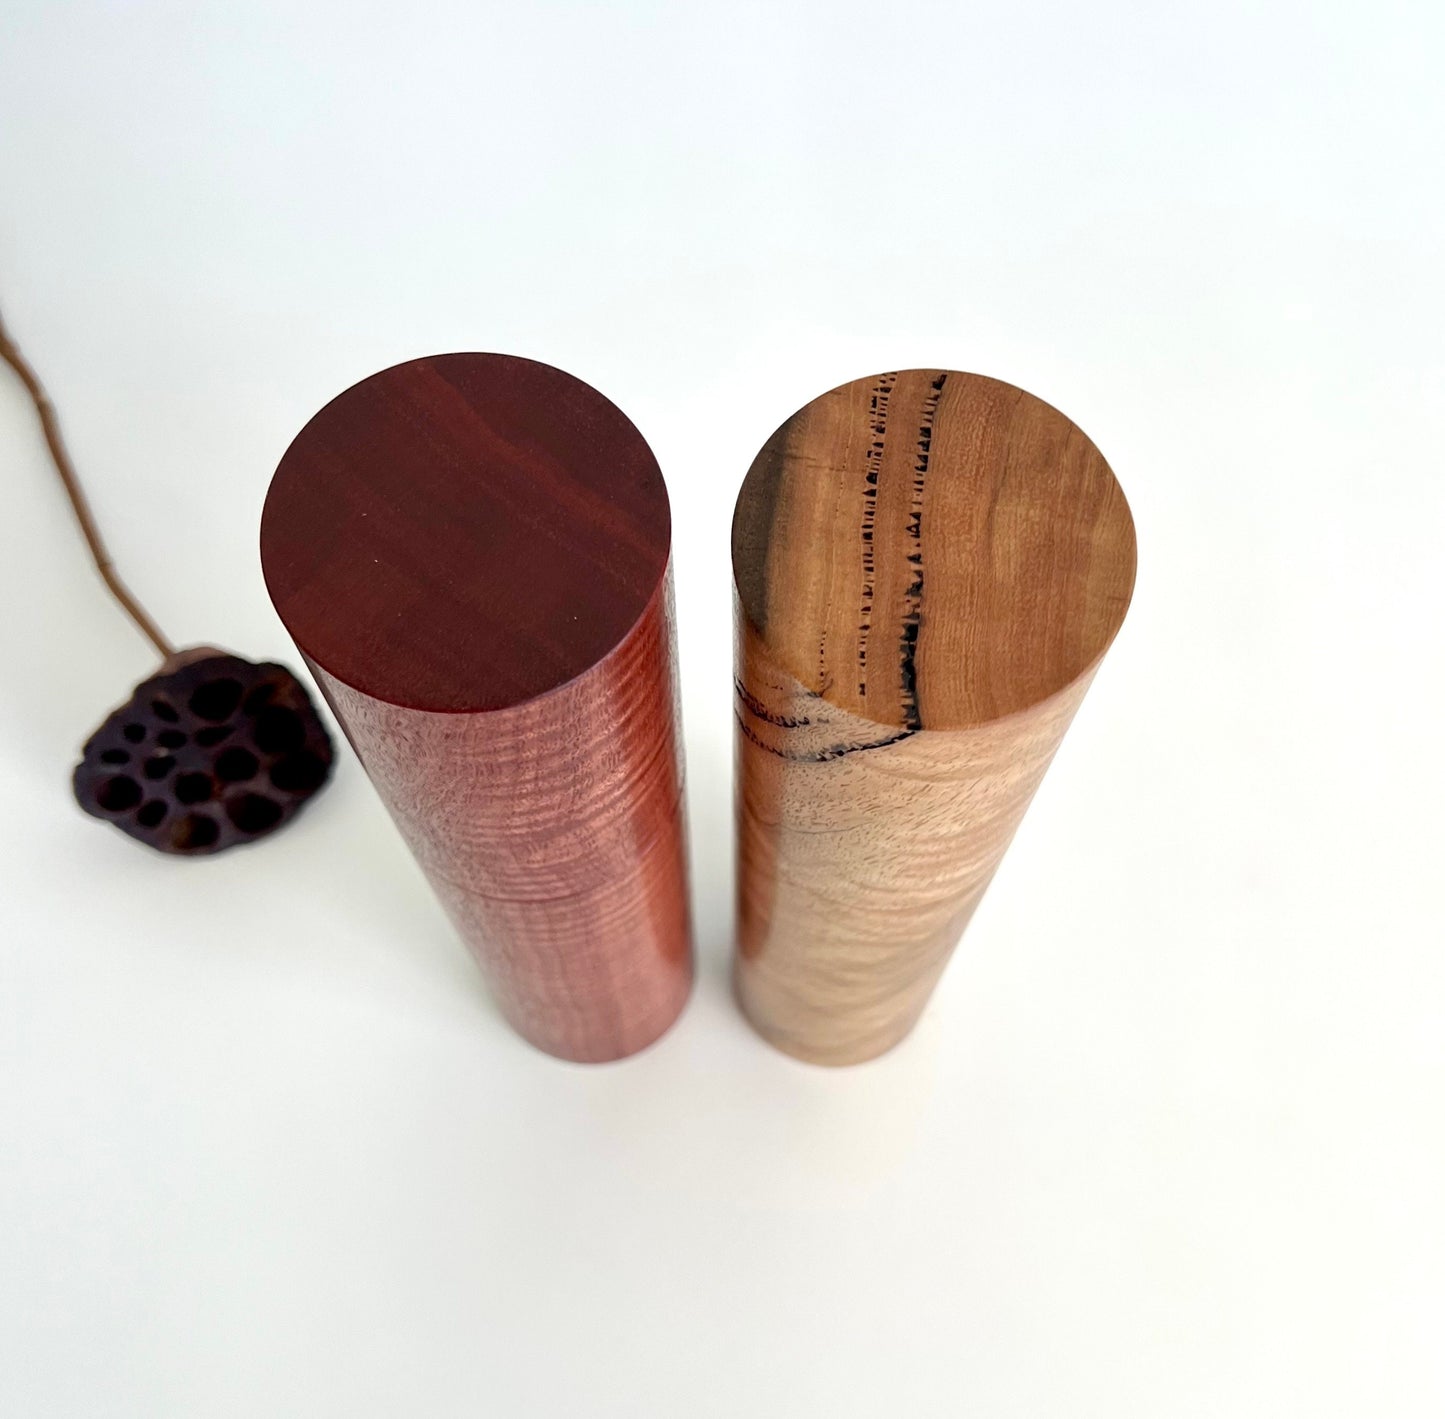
column 236, row 765
column 193, row 788
column 119, row 794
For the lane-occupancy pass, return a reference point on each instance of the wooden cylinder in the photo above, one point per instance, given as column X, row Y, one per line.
column 472, row 553
column 928, row 568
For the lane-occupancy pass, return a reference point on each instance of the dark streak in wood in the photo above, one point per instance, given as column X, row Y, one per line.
column 872, row 467
column 819, row 756
column 913, row 596
column 757, row 708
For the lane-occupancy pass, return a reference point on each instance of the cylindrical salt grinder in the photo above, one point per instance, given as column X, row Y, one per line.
column 928, row 567
column 472, row 553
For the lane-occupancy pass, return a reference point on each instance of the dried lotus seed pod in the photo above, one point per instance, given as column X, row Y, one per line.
column 213, row 751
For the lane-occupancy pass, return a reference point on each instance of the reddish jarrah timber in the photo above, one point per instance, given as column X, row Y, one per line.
column 472, row 553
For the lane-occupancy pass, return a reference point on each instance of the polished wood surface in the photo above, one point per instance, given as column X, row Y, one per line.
column 466, row 532
column 928, row 567
column 472, row 553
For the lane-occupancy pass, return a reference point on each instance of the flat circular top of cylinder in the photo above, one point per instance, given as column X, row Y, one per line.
column 932, row 550
column 465, row 532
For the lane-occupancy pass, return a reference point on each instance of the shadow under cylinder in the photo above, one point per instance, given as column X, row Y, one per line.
column 472, row 553
column 928, row 568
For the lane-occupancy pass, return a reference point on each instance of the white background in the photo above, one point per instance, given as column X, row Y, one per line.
column 1170, row 1140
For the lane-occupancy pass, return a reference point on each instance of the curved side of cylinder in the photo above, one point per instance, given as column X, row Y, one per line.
column 553, row 834
column 863, row 851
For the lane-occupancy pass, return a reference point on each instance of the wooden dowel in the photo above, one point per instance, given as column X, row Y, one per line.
column 928, row 568
column 472, row 553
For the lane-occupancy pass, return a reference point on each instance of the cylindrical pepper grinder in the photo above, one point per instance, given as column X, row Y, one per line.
column 928, row 568
column 472, row 553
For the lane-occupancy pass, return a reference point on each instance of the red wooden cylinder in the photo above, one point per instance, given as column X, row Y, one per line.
column 472, row 553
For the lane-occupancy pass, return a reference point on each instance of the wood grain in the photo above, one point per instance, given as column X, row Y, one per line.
column 928, row 568
column 472, row 553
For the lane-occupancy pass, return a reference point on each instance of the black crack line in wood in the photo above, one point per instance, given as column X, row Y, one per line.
column 819, row 756
column 758, row 710
column 872, row 466
column 913, row 596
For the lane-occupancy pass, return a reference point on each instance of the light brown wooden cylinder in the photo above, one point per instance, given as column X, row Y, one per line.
column 928, row 568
